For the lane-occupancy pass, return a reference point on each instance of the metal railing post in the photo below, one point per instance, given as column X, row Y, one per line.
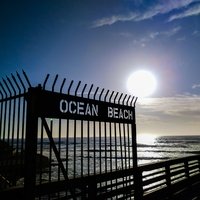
column 92, row 189
column 138, row 194
column 187, row 173
column 168, row 179
column 168, row 176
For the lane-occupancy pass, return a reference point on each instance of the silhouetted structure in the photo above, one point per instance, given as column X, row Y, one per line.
column 71, row 141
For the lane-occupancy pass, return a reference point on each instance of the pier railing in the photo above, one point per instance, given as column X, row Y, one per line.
column 171, row 179
column 159, row 180
column 162, row 179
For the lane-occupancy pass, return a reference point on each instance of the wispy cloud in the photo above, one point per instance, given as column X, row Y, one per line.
column 160, row 7
column 142, row 41
column 178, row 114
column 113, row 19
column 172, row 32
column 181, row 39
column 192, row 11
column 167, row 33
column 196, row 86
column 196, row 33
column 182, row 105
column 155, row 35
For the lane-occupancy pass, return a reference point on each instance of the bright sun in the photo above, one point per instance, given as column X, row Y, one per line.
column 141, row 83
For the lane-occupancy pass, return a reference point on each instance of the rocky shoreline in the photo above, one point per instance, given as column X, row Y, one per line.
column 12, row 165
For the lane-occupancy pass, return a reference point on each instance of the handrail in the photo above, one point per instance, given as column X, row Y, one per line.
column 158, row 180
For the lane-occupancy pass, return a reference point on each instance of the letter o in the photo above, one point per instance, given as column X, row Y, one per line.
column 63, row 106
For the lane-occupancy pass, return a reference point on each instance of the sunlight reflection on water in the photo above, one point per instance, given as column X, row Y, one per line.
column 146, row 138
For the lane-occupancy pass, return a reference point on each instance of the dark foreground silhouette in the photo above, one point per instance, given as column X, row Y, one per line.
column 12, row 165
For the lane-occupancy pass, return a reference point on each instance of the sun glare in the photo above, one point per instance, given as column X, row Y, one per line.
column 141, row 83
column 146, row 138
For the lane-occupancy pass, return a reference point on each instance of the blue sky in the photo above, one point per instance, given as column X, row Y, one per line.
column 103, row 42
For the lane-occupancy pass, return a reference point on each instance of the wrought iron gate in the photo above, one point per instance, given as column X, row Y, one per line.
column 67, row 140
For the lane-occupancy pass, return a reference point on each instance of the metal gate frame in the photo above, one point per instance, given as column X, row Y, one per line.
column 111, row 107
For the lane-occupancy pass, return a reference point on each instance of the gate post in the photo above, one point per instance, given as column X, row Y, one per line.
column 138, row 193
column 32, row 98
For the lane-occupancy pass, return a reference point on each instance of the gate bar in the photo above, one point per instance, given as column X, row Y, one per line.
column 60, row 163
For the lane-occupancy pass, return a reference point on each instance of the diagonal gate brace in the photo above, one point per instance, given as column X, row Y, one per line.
column 60, row 163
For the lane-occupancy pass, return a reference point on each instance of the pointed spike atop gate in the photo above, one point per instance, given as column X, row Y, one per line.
column 83, row 90
column 62, row 85
column 79, row 83
column 120, row 98
column 68, row 92
column 7, row 87
column 16, row 83
column 22, row 83
column 124, row 99
column 1, row 94
column 106, row 95
column 54, row 83
column 13, row 88
column 3, row 89
column 110, row 99
column 131, row 103
column 45, row 81
column 90, row 91
column 96, row 93
column 135, row 101
column 26, row 77
column 101, row 94
column 127, row 102
column 116, row 97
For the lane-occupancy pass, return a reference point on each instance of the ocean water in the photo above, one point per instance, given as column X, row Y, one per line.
column 108, row 155
column 168, row 147
column 85, row 157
